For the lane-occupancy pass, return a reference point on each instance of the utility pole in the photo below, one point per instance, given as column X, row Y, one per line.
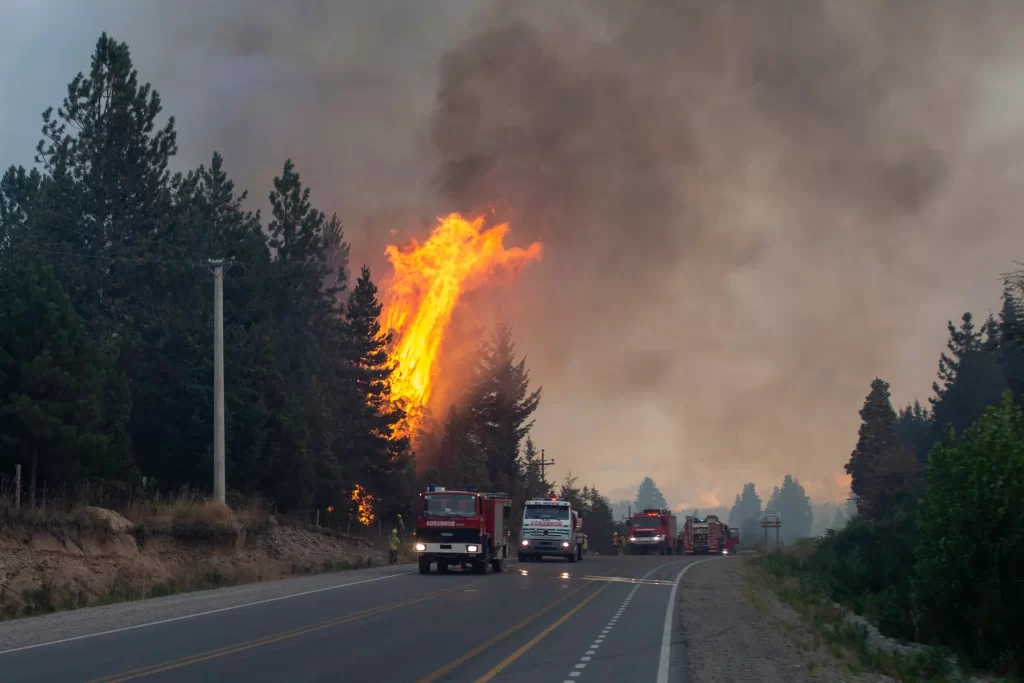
column 543, row 463
column 218, row 378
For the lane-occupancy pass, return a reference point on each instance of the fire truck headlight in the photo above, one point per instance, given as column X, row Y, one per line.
column 472, row 548
column 420, row 547
column 565, row 544
column 657, row 538
column 525, row 542
column 632, row 538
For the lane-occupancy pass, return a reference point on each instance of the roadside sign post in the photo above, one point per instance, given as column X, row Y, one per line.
column 771, row 520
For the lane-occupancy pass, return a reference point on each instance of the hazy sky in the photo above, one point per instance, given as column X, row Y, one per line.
column 749, row 209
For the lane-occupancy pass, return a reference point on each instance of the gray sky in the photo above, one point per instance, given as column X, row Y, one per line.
column 749, row 210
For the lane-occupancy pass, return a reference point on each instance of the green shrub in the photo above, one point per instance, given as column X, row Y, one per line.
column 969, row 572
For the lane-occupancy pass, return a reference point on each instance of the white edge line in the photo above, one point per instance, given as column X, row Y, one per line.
column 200, row 614
column 665, row 659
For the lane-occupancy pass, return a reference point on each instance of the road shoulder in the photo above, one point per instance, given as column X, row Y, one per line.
column 734, row 629
column 91, row 621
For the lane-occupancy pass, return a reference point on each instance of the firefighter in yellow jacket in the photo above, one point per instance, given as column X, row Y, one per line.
column 393, row 544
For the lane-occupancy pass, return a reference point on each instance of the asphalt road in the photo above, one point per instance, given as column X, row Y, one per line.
column 604, row 619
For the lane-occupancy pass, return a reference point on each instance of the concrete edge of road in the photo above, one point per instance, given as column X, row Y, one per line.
column 673, row 652
column 76, row 623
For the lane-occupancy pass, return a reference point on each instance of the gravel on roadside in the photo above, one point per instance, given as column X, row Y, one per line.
column 735, row 633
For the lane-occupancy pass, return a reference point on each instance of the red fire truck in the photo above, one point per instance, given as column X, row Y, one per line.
column 653, row 531
column 460, row 528
column 733, row 542
column 705, row 535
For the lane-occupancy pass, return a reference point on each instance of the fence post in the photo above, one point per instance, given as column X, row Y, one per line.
column 17, row 487
column 317, row 518
column 44, row 496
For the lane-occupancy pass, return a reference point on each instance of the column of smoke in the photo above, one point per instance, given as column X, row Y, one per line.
column 749, row 209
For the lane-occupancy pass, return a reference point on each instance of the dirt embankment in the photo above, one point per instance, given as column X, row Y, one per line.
column 95, row 556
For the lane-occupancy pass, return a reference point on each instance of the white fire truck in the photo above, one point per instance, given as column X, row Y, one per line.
column 551, row 527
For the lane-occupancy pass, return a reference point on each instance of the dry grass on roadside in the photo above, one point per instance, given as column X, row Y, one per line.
column 191, row 516
column 185, row 515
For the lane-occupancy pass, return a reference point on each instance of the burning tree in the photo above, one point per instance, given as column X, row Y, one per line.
column 362, row 505
column 428, row 281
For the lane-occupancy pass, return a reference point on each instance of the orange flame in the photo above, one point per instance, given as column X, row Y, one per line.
column 428, row 280
column 364, row 505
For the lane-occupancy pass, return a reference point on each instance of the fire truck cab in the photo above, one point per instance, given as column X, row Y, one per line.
column 551, row 527
column 653, row 531
column 462, row 527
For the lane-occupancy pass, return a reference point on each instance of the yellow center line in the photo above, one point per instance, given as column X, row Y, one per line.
column 507, row 632
column 537, row 638
column 256, row 642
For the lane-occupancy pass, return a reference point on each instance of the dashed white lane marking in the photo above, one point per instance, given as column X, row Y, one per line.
column 593, row 647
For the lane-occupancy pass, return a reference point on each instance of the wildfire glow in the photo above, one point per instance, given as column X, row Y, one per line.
column 364, row 505
column 428, row 280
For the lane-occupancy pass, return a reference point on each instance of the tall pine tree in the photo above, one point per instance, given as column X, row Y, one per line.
column 106, row 191
column 381, row 456
column 971, row 377
column 648, row 496
column 502, row 405
column 877, row 433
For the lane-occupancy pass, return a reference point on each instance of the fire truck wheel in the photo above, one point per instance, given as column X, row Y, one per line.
column 572, row 558
column 480, row 566
column 424, row 565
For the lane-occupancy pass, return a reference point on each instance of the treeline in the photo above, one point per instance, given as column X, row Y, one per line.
column 936, row 552
column 790, row 501
column 106, row 331
column 106, row 317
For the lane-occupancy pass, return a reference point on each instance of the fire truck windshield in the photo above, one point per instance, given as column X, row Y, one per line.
column 547, row 512
column 645, row 523
column 449, row 505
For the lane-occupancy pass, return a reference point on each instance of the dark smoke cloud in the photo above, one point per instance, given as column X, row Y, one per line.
column 744, row 205
column 748, row 209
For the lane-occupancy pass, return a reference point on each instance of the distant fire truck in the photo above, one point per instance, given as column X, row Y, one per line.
column 462, row 527
column 653, row 531
column 551, row 527
column 705, row 535
column 733, row 542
